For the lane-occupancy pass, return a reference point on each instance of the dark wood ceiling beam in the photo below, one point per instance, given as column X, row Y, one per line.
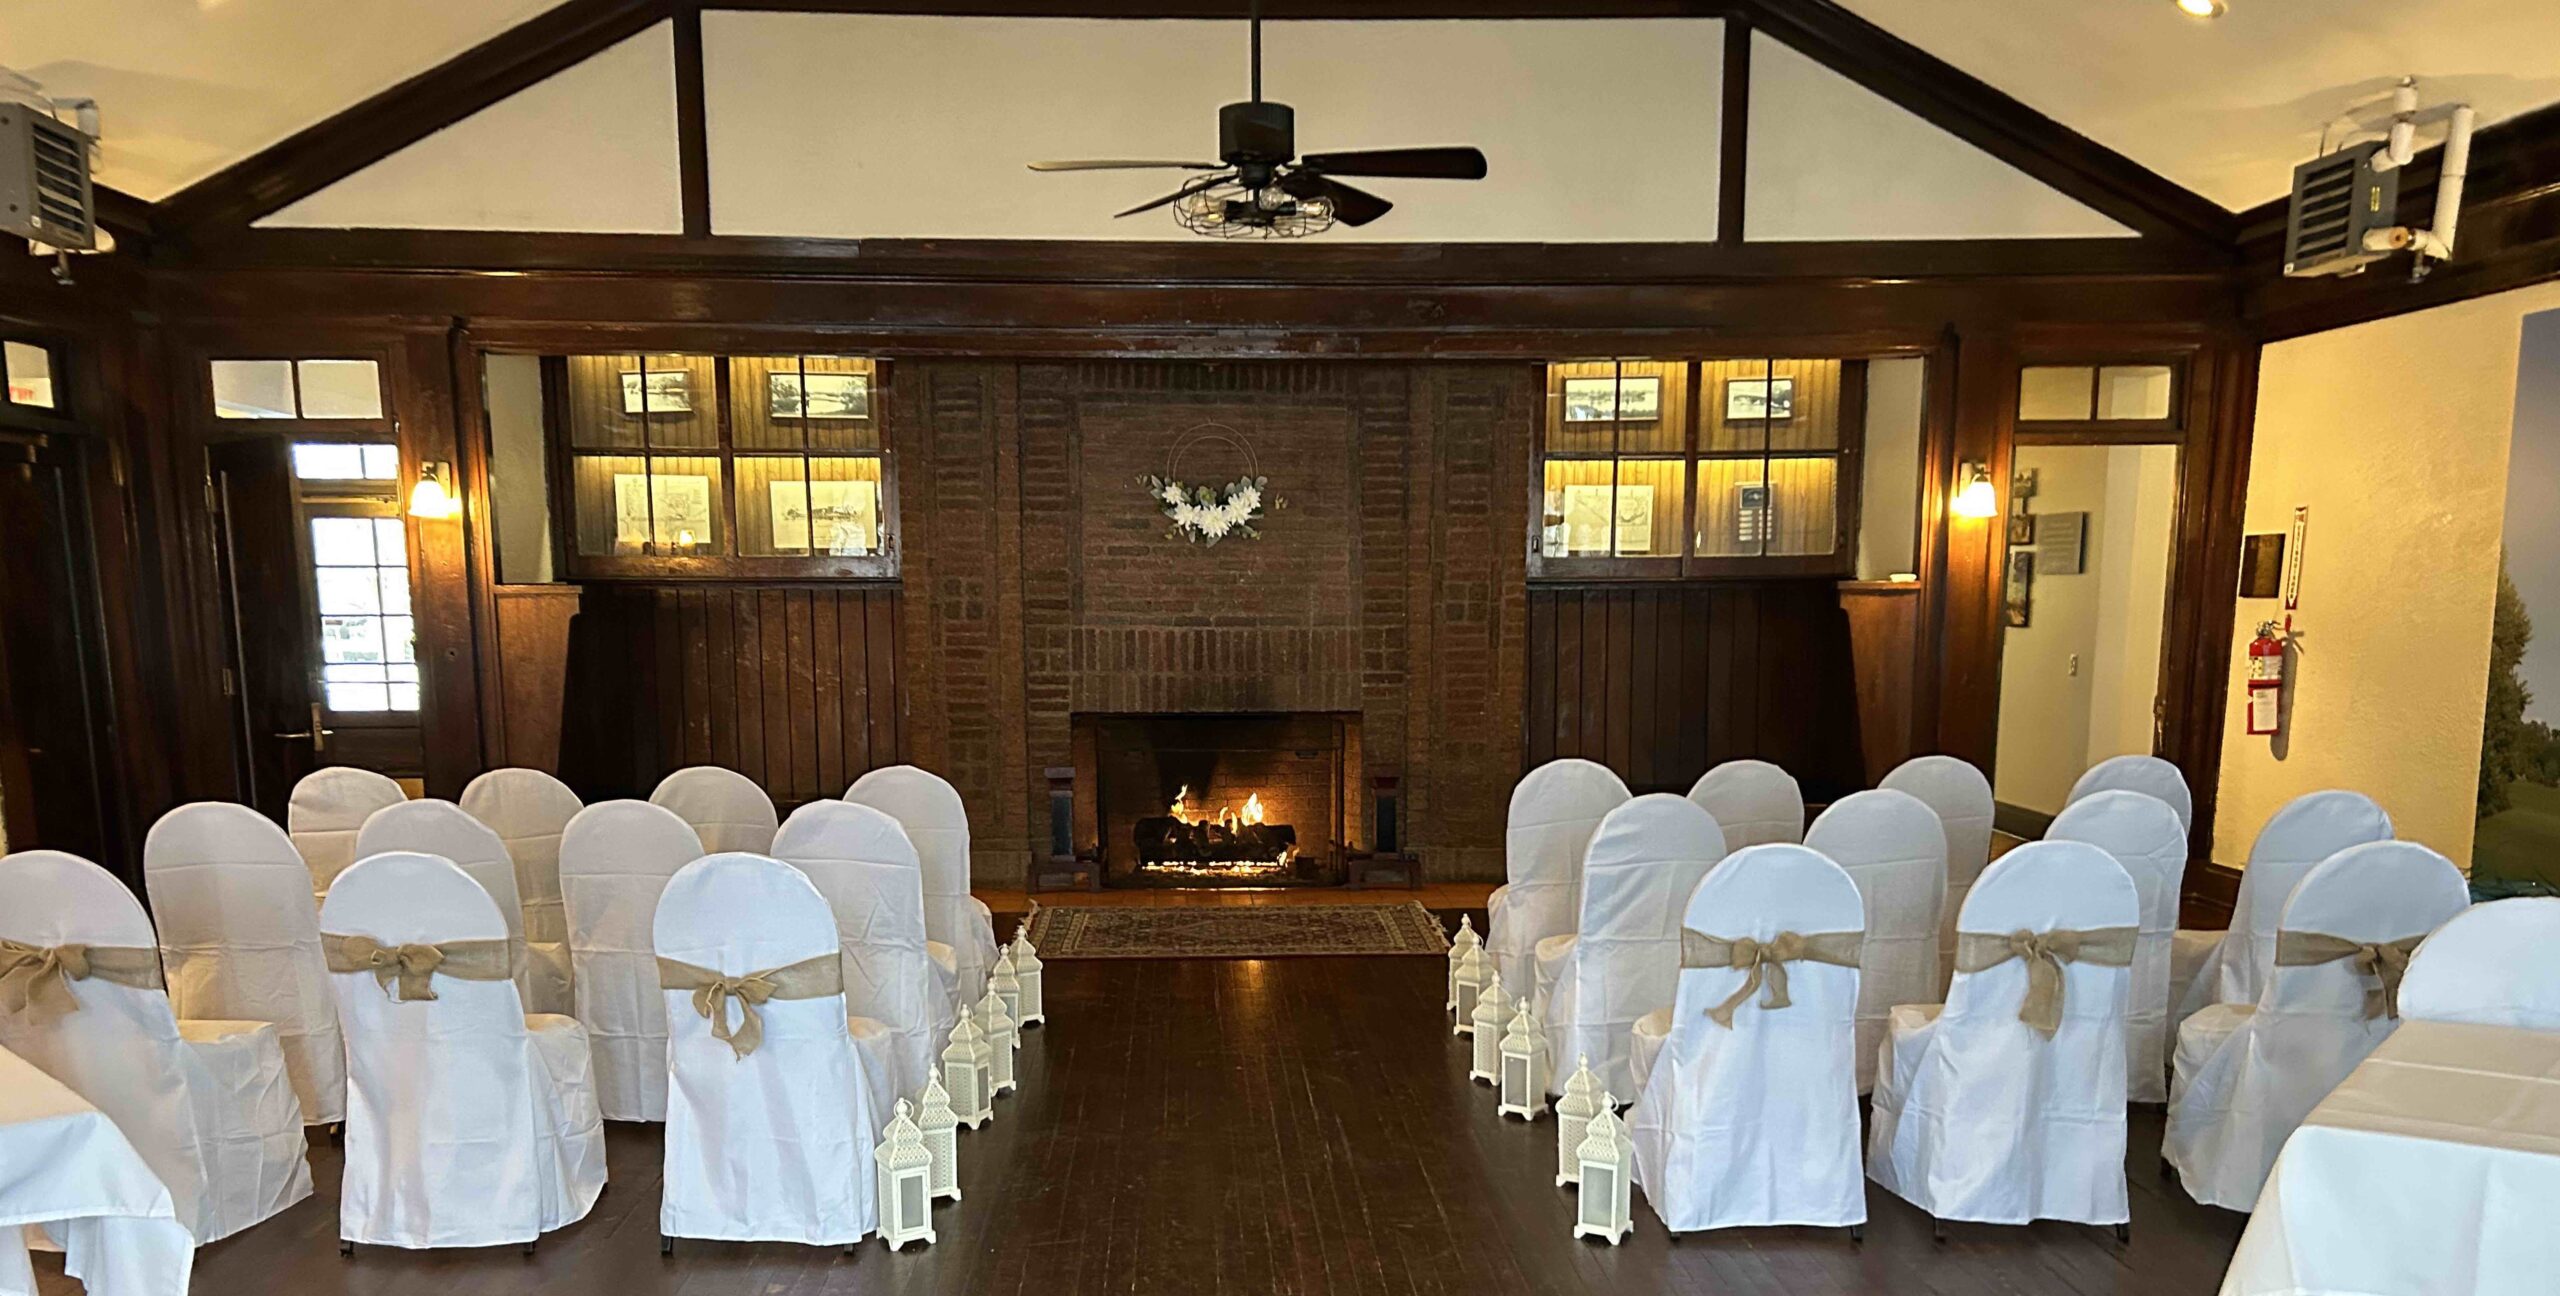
column 2110, row 182
column 311, row 159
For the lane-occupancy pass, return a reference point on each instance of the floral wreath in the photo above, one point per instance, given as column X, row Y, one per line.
column 1206, row 515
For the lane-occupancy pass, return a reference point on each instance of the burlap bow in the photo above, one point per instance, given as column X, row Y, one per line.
column 36, row 979
column 2384, row 961
column 1766, row 961
column 2045, row 953
column 406, row 972
column 810, row 978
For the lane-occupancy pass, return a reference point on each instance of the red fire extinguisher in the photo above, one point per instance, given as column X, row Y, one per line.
column 2266, row 679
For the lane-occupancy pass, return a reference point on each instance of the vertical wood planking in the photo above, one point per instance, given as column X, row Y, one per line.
column 1661, row 682
column 794, row 687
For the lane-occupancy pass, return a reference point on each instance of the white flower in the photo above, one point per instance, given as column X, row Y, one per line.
column 1246, row 500
column 1171, row 493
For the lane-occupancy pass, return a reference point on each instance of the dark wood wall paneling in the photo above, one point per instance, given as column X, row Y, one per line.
column 1661, row 682
column 796, row 687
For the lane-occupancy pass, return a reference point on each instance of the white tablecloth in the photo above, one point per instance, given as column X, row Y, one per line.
column 2430, row 1170
column 64, row 1164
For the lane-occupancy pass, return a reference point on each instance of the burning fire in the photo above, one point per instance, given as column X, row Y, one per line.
column 1228, row 816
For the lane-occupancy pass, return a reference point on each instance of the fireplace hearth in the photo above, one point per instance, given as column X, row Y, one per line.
column 1226, row 800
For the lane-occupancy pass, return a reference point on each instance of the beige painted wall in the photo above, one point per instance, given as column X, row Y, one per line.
column 2088, row 661
column 2395, row 434
column 1889, row 491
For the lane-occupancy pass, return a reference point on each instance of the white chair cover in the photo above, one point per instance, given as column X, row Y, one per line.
column 469, row 1122
column 2310, row 828
column 1978, row 1117
column 726, row 808
column 240, row 940
column 440, row 828
column 1554, row 810
column 866, row 868
column 1623, row 960
column 1757, row 1123
column 1753, row 800
column 2144, row 835
column 2491, row 965
column 326, row 809
column 929, row 809
column 1893, row 849
column 2238, row 1103
column 774, row 1146
column 2145, row 774
column 1961, row 796
column 67, row 1170
column 206, row 1103
column 615, row 859
column 529, row 809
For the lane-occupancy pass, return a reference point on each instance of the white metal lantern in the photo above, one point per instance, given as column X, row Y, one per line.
column 941, row 1129
column 1008, row 986
column 906, row 1182
column 1608, row 1156
column 998, row 1028
column 964, row 1072
column 1524, row 1066
column 1026, row 973
column 1465, row 940
column 1474, row 973
column 1574, row 1110
column 1485, row 1030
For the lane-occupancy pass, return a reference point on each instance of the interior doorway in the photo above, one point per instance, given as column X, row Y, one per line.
column 57, row 773
column 2086, row 590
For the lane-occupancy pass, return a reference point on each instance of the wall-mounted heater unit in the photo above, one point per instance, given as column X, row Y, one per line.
column 45, row 193
column 2345, row 201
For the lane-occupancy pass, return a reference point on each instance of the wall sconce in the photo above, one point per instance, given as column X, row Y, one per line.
column 1976, row 496
column 434, row 496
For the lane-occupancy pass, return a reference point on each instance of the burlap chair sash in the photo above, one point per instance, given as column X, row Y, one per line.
column 2382, row 961
column 407, row 972
column 1766, row 961
column 810, row 978
column 36, row 979
column 2045, row 953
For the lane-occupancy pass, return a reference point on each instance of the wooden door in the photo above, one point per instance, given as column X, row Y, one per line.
column 57, row 769
column 271, row 654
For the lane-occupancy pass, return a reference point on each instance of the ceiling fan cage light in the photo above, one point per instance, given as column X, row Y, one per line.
column 1232, row 211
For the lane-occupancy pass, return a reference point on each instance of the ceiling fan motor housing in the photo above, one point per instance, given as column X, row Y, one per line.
column 1259, row 133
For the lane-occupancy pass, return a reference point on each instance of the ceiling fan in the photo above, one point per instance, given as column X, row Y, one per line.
column 1261, row 188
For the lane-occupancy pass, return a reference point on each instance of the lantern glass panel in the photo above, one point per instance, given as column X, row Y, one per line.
column 911, row 1190
column 1595, row 1195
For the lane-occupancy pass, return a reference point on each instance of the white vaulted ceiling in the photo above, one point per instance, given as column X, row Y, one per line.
column 2223, row 107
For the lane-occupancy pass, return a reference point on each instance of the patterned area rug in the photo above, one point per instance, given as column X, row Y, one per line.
column 1235, row 931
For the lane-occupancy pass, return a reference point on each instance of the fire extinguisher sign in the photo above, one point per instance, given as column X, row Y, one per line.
column 2293, row 558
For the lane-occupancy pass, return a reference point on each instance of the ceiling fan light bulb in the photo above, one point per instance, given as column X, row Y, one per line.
column 2203, row 8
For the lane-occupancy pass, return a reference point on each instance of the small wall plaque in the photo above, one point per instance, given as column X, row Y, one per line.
column 2262, row 565
column 2062, row 541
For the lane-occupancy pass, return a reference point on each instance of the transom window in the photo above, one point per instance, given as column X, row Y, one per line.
column 2115, row 395
column 28, row 372
column 297, row 389
column 1698, row 467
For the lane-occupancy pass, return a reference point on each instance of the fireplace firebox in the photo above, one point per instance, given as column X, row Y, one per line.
column 1218, row 800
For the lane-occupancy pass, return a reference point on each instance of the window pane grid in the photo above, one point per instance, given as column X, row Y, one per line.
column 368, row 636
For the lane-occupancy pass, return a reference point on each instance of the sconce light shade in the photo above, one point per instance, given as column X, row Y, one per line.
column 1976, row 497
column 433, row 496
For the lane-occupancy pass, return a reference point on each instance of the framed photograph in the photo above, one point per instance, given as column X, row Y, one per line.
column 667, row 392
column 1590, row 517
column 667, row 512
column 2022, row 529
column 1635, row 399
column 818, row 395
column 842, row 517
column 2018, row 601
column 1751, row 400
column 2262, row 565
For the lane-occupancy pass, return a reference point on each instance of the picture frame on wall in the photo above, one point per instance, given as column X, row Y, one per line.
column 1623, row 399
column 669, row 513
column 2022, row 528
column 842, row 517
column 2017, row 602
column 818, row 395
column 1601, row 520
column 1758, row 400
column 659, row 391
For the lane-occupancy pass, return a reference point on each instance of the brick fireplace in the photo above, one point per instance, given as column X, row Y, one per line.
column 1217, row 800
column 1045, row 596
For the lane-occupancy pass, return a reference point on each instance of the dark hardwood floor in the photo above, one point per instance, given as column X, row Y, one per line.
column 1277, row 1126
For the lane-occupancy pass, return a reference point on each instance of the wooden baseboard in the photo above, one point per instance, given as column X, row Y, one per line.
column 2019, row 821
column 2207, row 898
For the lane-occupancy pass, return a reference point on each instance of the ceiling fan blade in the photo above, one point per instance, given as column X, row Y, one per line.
column 1122, row 164
column 1353, row 207
column 1178, row 194
column 1409, row 163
